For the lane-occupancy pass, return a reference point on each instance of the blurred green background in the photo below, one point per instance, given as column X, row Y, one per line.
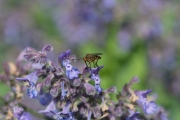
column 137, row 38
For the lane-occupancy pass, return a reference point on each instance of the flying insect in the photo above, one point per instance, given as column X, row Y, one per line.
column 92, row 58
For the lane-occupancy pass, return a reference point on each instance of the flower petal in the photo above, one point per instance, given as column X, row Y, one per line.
column 47, row 48
column 89, row 89
column 49, row 108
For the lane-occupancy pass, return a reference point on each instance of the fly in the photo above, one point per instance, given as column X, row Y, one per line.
column 92, row 58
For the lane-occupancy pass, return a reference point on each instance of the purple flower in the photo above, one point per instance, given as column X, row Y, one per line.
column 161, row 115
column 50, row 108
column 89, row 89
column 73, row 95
column 65, row 114
column 148, row 107
column 64, row 55
column 98, row 88
column 48, row 79
column 37, row 56
column 68, row 116
column 89, row 115
column 66, row 108
column 133, row 115
column 110, row 90
column 57, row 117
column 71, row 72
column 31, row 78
column 95, row 71
column 47, row 48
column 63, row 91
column 96, row 78
column 44, row 98
column 20, row 114
column 17, row 111
column 65, row 62
column 25, row 116
column 54, row 91
column 32, row 92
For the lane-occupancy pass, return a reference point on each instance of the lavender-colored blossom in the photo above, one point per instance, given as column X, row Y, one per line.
column 83, row 99
column 20, row 114
column 89, row 89
column 66, row 108
column 17, row 111
column 98, row 88
column 65, row 62
column 64, row 55
column 65, row 114
column 133, row 115
column 95, row 71
column 68, row 116
column 32, row 92
column 38, row 56
column 47, row 81
column 50, row 108
column 148, row 107
column 57, row 117
column 63, row 91
column 54, row 91
column 47, row 48
column 71, row 72
column 142, row 95
column 31, row 78
column 68, row 67
column 97, row 112
column 39, row 86
column 25, row 116
column 110, row 90
column 96, row 78
column 89, row 115
column 162, row 115
column 44, row 98
column 77, row 82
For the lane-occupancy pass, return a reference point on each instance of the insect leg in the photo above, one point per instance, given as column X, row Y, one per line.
column 90, row 67
column 89, row 64
column 86, row 63
column 96, row 63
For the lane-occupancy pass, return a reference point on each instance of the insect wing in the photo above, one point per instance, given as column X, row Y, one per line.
column 96, row 54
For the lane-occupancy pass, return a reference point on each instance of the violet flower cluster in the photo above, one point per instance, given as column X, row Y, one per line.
column 13, row 98
column 68, row 94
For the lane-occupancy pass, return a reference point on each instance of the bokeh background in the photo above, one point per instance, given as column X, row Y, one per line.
column 137, row 38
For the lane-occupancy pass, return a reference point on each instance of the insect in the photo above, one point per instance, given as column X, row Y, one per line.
column 92, row 58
